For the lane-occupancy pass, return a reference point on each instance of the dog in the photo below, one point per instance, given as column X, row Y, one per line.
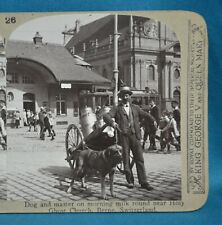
column 102, row 161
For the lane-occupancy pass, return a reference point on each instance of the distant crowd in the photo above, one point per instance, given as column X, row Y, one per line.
column 168, row 124
column 44, row 120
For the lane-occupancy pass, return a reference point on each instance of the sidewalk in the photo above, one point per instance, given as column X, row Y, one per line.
column 37, row 170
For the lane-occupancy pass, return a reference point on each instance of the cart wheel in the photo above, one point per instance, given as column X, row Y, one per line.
column 120, row 167
column 73, row 138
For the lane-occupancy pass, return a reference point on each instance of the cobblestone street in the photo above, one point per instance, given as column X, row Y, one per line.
column 37, row 170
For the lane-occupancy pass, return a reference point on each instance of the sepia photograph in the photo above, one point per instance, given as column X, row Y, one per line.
column 66, row 100
column 91, row 115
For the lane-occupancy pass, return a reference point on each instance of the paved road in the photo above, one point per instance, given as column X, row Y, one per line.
column 36, row 170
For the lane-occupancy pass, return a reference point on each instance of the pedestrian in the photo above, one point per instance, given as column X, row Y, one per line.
column 47, row 126
column 35, row 122
column 169, row 133
column 28, row 116
column 176, row 113
column 52, row 123
column 127, row 117
column 31, row 119
column 17, row 118
column 25, row 118
column 164, row 134
column 41, row 123
column 146, row 125
column 176, row 116
column 154, row 111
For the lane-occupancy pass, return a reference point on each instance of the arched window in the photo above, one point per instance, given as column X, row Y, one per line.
column 176, row 95
column 151, row 72
column 176, row 74
column 10, row 96
column 29, row 97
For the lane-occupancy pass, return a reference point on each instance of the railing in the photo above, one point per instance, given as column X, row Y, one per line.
column 107, row 48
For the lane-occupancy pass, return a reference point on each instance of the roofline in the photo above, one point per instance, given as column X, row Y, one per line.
column 62, row 80
column 31, row 42
column 31, row 60
column 88, row 24
column 87, row 82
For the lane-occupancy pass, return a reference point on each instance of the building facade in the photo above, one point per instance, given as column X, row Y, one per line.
column 43, row 74
column 148, row 53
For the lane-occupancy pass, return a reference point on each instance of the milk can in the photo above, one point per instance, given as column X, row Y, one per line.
column 87, row 120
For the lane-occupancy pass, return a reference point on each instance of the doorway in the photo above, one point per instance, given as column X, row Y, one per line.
column 29, row 102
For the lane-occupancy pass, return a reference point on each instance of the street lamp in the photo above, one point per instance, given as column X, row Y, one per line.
column 115, row 69
column 133, row 52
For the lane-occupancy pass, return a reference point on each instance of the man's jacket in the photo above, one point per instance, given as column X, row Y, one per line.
column 121, row 117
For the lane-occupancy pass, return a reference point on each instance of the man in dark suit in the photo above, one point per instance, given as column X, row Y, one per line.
column 127, row 119
column 41, row 123
column 176, row 113
column 154, row 111
column 176, row 116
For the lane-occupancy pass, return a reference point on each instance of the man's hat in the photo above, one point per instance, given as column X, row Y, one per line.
column 125, row 90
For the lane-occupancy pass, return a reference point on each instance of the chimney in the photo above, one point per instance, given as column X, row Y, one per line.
column 37, row 39
column 77, row 27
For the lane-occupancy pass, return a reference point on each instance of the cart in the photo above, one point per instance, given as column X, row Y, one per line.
column 97, row 140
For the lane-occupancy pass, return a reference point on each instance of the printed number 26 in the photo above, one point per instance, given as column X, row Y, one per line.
column 9, row 20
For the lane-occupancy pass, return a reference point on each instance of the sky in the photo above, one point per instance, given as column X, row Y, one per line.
column 51, row 27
